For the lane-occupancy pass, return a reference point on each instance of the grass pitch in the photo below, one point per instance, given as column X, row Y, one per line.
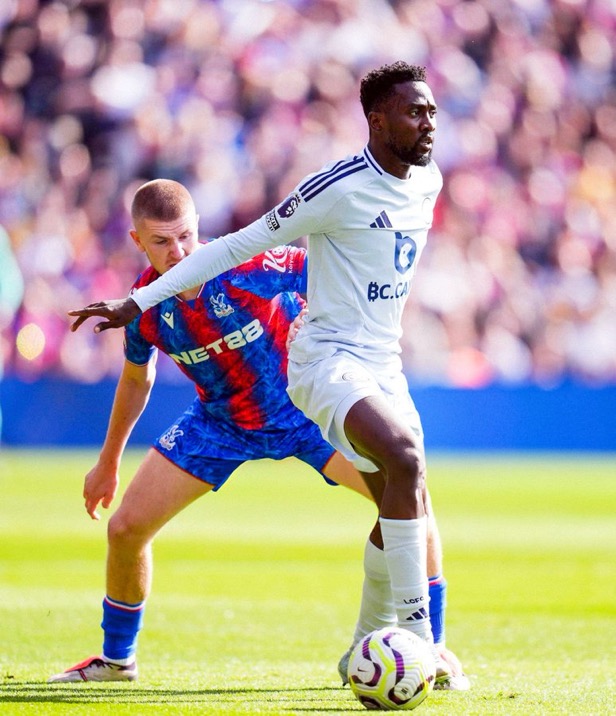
column 256, row 589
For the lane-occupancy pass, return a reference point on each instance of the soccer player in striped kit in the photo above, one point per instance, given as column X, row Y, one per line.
column 367, row 218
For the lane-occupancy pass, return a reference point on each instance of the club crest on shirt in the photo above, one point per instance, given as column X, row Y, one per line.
column 220, row 306
column 405, row 252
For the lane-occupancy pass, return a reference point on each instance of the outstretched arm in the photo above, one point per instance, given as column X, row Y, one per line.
column 197, row 268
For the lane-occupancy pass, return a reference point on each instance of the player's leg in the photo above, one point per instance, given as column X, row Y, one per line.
column 377, row 606
column 377, row 434
column 159, row 490
column 437, row 587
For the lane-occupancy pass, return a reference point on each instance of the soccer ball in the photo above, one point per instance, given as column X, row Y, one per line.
column 391, row 669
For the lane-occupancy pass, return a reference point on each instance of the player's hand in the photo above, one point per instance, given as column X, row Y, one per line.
column 294, row 327
column 100, row 487
column 118, row 313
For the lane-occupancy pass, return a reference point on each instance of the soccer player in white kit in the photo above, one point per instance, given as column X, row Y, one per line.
column 367, row 219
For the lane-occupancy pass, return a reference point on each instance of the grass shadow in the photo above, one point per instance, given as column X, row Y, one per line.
column 319, row 699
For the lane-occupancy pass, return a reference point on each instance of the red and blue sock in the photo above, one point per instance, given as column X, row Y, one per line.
column 437, row 589
column 121, row 624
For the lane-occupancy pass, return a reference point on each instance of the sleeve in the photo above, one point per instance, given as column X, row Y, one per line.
column 287, row 222
column 136, row 349
column 278, row 270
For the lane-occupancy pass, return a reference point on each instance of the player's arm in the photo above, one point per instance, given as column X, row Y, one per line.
column 209, row 261
column 131, row 397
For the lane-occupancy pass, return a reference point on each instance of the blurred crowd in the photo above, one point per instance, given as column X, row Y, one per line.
column 239, row 99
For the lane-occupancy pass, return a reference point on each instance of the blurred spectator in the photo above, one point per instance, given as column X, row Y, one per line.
column 238, row 99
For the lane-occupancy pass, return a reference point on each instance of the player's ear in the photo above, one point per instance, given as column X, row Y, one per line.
column 135, row 237
column 375, row 121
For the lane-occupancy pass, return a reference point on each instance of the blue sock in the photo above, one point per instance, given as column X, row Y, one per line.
column 437, row 589
column 121, row 624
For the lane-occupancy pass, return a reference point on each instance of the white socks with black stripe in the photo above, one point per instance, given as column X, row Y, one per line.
column 405, row 546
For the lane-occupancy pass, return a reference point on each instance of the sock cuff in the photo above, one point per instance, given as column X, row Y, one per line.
column 414, row 531
column 437, row 579
column 123, row 606
column 121, row 662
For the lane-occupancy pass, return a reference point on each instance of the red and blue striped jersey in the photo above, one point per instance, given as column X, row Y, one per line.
column 230, row 340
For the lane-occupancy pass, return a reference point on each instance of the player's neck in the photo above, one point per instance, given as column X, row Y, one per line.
column 389, row 162
column 190, row 295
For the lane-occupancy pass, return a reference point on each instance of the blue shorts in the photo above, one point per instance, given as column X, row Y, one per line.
column 211, row 449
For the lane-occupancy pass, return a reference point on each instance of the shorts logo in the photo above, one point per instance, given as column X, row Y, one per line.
column 221, row 309
column 351, row 377
column 272, row 221
column 405, row 252
column 167, row 441
column 289, row 205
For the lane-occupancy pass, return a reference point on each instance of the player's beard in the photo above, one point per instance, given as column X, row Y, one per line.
column 413, row 156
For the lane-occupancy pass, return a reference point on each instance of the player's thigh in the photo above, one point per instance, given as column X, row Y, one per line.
column 376, row 432
column 157, row 492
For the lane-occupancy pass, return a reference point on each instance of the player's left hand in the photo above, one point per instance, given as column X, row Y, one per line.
column 118, row 313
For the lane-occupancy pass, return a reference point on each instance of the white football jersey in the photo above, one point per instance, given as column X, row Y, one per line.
column 366, row 231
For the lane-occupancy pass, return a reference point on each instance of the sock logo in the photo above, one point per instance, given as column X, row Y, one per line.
column 413, row 601
column 418, row 616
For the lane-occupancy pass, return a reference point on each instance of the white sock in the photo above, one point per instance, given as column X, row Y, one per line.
column 377, row 603
column 406, row 554
column 119, row 662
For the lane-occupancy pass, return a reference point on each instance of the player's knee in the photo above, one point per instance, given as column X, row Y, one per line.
column 407, row 471
column 122, row 530
column 408, row 465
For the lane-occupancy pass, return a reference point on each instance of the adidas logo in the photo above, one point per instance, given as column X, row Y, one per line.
column 419, row 615
column 381, row 222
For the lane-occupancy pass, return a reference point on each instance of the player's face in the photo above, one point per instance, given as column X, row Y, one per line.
column 409, row 123
column 166, row 243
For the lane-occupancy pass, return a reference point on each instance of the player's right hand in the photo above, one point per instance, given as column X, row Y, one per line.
column 100, row 486
column 118, row 313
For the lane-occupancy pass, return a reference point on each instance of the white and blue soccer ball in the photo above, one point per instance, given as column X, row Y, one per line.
column 391, row 669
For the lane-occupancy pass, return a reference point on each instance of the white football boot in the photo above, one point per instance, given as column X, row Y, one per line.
column 96, row 669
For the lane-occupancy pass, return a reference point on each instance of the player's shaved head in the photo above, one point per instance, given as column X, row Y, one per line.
column 161, row 200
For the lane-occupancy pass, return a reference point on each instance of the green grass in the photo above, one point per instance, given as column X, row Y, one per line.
column 256, row 589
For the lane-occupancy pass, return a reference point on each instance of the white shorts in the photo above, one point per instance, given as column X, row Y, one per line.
column 325, row 391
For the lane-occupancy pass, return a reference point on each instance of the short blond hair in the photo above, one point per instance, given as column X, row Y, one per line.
column 161, row 200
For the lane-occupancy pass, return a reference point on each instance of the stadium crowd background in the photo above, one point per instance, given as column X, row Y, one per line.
column 239, row 99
